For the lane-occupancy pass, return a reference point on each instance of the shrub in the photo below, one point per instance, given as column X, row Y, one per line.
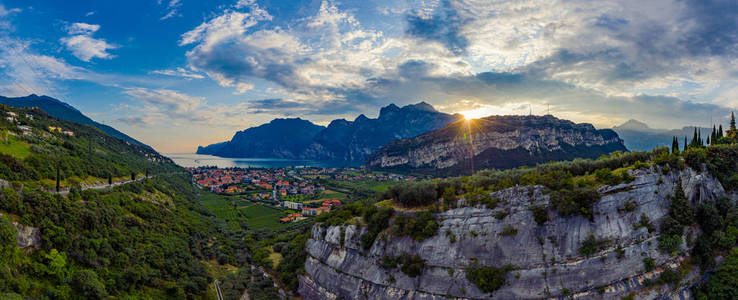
column 539, row 214
column 591, row 245
column 419, row 227
column 649, row 264
column 508, row 230
column 578, row 200
column 669, row 243
column 499, row 215
column 488, row 279
column 412, row 265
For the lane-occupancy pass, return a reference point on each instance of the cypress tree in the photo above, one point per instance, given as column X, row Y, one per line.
column 674, row 145
column 732, row 121
column 713, row 135
column 699, row 137
column 708, row 141
column 685, row 143
column 720, row 130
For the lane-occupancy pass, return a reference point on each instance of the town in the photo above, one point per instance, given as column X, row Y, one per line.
column 297, row 192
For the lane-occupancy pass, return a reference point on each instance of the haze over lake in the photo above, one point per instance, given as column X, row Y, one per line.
column 197, row 160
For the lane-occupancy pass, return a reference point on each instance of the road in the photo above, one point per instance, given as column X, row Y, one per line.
column 217, row 289
column 102, row 186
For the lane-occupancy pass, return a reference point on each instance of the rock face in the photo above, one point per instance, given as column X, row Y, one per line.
column 344, row 142
column 547, row 259
column 280, row 138
column 496, row 142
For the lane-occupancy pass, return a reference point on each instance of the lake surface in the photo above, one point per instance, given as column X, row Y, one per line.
column 198, row 160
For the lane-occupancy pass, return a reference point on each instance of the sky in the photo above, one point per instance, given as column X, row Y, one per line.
column 176, row 74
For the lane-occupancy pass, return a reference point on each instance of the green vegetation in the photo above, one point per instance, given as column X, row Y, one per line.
column 539, row 214
column 419, row 226
column 508, row 230
column 34, row 156
column 125, row 245
column 488, row 279
column 722, row 284
column 672, row 226
column 591, row 245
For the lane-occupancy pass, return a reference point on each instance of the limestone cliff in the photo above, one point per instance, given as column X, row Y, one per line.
column 496, row 142
column 546, row 257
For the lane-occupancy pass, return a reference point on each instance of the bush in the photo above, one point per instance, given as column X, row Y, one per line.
column 414, row 194
column 722, row 284
column 419, row 227
column 578, row 200
column 669, row 243
column 648, row 264
column 539, row 214
column 488, row 279
column 87, row 285
column 508, row 230
column 412, row 265
column 591, row 245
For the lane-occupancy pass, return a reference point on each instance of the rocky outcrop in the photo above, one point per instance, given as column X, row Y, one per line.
column 28, row 236
column 496, row 142
column 546, row 257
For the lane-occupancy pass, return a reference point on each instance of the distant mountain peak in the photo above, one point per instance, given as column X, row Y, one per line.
column 422, row 106
column 633, row 124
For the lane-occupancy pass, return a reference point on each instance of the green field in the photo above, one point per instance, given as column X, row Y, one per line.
column 15, row 148
column 255, row 216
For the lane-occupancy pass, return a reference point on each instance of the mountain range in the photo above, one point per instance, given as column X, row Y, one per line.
column 64, row 111
column 638, row 136
column 348, row 142
column 498, row 142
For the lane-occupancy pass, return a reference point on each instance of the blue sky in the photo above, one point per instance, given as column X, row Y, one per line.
column 180, row 73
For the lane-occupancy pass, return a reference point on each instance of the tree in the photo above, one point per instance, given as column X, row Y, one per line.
column 720, row 130
column 685, row 143
column 680, row 209
column 110, row 179
column 8, row 236
column 87, row 285
column 133, row 176
column 732, row 121
column 675, row 145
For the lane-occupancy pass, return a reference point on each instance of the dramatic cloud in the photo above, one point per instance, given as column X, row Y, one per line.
column 81, row 43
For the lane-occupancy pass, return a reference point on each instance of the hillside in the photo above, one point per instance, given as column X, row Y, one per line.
column 655, row 221
column 64, row 111
column 638, row 136
column 499, row 142
column 343, row 141
column 145, row 239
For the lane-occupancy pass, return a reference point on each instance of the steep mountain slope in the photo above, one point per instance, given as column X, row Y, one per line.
column 638, row 136
column 636, row 225
column 343, row 141
column 546, row 260
column 64, row 111
column 145, row 239
column 496, row 142
column 280, row 138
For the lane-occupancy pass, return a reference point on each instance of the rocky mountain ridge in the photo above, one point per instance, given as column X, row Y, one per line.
column 546, row 258
column 496, row 142
column 348, row 142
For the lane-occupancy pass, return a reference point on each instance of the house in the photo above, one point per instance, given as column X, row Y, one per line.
column 54, row 128
column 292, row 205
column 332, row 202
column 25, row 129
column 67, row 132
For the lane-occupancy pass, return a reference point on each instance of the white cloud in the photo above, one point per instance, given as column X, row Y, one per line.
column 90, row 13
column 81, row 43
column 179, row 72
column 172, row 9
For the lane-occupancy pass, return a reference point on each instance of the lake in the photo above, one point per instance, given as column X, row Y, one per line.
column 198, row 160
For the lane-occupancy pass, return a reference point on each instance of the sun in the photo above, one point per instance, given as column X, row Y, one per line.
column 475, row 113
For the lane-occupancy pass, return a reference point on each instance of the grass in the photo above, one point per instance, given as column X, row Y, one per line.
column 256, row 216
column 15, row 148
column 276, row 258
